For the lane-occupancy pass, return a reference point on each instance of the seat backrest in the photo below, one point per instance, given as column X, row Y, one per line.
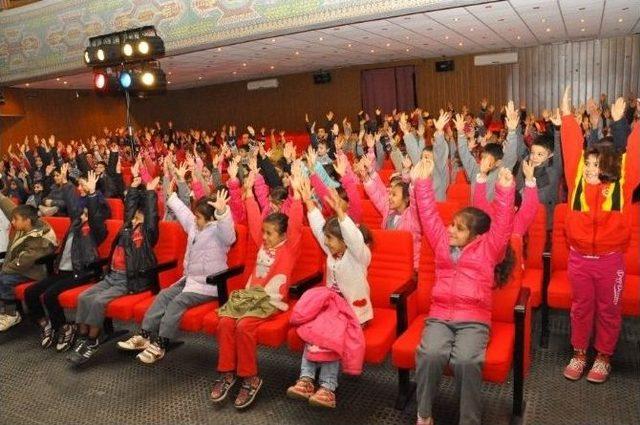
column 311, row 259
column 117, row 208
column 632, row 259
column 536, row 239
column 391, row 264
column 460, row 192
column 385, row 175
column 60, row 226
column 461, row 178
column 238, row 255
column 172, row 244
column 447, row 210
column 113, row 227
column 370, row 215
column 559, row 245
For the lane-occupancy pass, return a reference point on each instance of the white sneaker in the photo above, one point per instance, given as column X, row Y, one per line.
column 7, row 321
column 135, row 343
column 152, row 354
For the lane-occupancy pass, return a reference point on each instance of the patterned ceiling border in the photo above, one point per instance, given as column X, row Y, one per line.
column 48, row 38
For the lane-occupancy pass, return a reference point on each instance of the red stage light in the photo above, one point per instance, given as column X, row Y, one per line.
column 99, row 81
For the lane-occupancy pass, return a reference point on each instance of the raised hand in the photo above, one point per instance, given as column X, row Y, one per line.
column 556, row 118
column 251, row 131
column 369, row 140
column 617, row 109
column 329, row 115
column 135, row 182
column 306, row 193
column 528, row 169
column 505, row 178
column 335, row 202
column 406, row 162
column 458, row 121
column 513, row 118
column 232, row 170
column 341, row 165
column 181, row 171
column 565, row 103
column 249, row 181
column 311, row 159
column 220, row 204
column 443, row 119
column 153, row 183
column 486, row 164
column 91, row 182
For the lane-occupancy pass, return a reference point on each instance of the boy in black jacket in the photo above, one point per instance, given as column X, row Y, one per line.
column 79, row 251
column 131, row 257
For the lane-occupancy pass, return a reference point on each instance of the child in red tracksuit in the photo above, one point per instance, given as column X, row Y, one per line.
column 597, row 227
column 278, row 237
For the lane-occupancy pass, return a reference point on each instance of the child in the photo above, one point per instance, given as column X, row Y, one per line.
column 597, row 227
column 33, row 239
column 77, row 254
column 493, row 156
column 348, row 258
column 466, row 256
column 278, row 237
column 396, row 205
column 35, row 199
column 132, row 253
column 210, row 235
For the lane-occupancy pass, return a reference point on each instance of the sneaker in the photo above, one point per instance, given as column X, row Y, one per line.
column 46, row 335
column 248, row 392
column 575, row 368
column 135, row 343
column 83, row 354
column 599, row 372
column 66, row 337
column 302, row 390
column 151, row 354
column 323, row 398
column 221, row 387
column 7, row 321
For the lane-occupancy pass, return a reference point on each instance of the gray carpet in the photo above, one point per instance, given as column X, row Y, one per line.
column 38, row 387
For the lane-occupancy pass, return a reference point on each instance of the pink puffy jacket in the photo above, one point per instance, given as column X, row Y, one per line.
column 462, row 291
column 325, row 319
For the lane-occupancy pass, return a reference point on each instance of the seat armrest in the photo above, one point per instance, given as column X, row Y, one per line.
column 155, row 273
column 220, row 280
column 399, row 300
column 520, row 315
column 48, row 260
column 296, row 290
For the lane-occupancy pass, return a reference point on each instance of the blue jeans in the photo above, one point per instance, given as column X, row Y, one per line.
column 8, row 282
column 328, row 371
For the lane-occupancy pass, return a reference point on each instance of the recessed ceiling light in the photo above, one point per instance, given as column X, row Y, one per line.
column 271, row 67
column 27, row 85
column 297, row 53
column 349, row 45
column 582, row 21
column 57, row 79
column 543, row 20
column 64, row 82
column 518, row 37
column 460, row 44
column 620, row 20
column 582, row 29
column 169, row 72
column 456, row 19
column 234, row 72
column 406, row 37
column 388, row 44
column 320, row 38
column 407, row 49
column 446, row 37
column 219, row 49
column 372, row 51
column 200, row 77
column 471, row 29
column 273, row 40
column 548, row 29
column 244, row 64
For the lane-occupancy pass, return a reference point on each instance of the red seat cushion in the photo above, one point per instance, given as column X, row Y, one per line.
column 532, row 279
column 498, row 359
column 140, row 309
column 20, row 288
column 121, row 308
column 272, row 333
column 379, row 335
column 559, row 295
column 69, row 298
column 192, row 318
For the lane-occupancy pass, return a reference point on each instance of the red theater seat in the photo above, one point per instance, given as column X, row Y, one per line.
column 509, row 338
column 391, row 267
column 460, row 193
column 370, row 215
column 533, row 262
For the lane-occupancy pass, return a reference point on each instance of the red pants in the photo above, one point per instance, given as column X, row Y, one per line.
column 238, row 340
column 596, row 286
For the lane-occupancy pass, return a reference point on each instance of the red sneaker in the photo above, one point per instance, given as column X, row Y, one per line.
column 599, row 372
column 575, row 368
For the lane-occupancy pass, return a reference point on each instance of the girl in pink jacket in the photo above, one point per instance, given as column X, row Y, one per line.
column 468, row 254
column 348, row 258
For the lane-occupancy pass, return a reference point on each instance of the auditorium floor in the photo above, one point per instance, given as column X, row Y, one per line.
column 38, row 387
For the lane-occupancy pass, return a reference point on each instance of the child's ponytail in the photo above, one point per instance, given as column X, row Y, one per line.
column 502, row 271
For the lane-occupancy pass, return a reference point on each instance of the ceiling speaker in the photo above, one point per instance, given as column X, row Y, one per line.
column 321, row 77
column 444, row 66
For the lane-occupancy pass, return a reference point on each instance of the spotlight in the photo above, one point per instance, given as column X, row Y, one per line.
column 99, row 80
column 127, row 49
column 143, row 47
column 125, row 79
column 148, row 78
column 100, row 55
column 87, row 59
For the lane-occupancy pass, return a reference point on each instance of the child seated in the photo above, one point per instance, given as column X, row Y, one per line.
column 33, row 238
column 348, row 258
column 278, row 237
column 210, row 234
column 131, row 256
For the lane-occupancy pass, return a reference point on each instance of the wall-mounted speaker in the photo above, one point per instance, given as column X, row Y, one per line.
column 444, row 66
column 321, row 77
column 1, row 96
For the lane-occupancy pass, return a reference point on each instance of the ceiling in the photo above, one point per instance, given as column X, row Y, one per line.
column 490, row 27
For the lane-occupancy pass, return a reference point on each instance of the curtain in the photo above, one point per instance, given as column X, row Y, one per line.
column 388, row 89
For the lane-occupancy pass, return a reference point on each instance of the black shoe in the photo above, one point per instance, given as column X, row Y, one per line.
column 66, row 336
column 46, row 335
column 86, row 350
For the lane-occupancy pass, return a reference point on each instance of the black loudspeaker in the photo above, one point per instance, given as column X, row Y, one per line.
column 1, row 96
column 321, row 77
column 444, row 66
